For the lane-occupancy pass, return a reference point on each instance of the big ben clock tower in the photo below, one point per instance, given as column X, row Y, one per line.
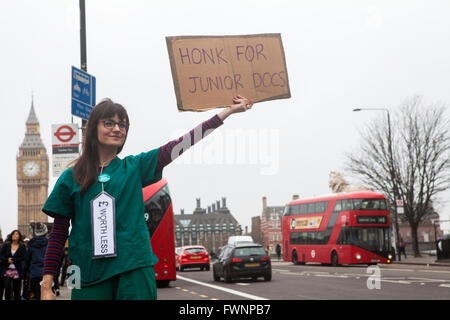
column 32, row 176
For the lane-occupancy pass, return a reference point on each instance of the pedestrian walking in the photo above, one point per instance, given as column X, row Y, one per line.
column 1, row 273
column 36, row 252
column 278, row 251
column 26, row 273
column 101, row 195
column 402, row 247
column 13, row 254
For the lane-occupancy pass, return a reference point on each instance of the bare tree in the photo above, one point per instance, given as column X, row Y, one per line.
column 409, row 160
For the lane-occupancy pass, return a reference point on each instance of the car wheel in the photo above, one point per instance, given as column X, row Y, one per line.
column 162, row 283
column 334, row 259
column 294, row 258
column 207, row 268
column 215, row 276
column 227, row 276
column 268, row 276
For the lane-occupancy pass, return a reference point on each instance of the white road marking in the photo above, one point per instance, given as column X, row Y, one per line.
column 427, row 280
column 402, row 280
column 396, row 281
column 392, row 269
column 280, row 270
column 235, row 292
column 332, row 275
column 435, row 271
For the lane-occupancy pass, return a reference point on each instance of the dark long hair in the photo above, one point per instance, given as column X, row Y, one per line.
column 86, row 167
column 9, row 237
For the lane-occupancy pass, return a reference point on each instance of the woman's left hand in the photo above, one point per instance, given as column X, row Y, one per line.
column 241, row 104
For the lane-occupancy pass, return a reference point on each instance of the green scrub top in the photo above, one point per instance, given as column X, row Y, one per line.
column 128, row 177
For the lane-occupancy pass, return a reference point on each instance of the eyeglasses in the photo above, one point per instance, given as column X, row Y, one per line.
column 109, row 124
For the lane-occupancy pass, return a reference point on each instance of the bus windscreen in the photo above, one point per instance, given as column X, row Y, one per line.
column 374, row 239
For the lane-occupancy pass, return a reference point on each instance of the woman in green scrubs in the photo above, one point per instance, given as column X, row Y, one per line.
column 101, row 196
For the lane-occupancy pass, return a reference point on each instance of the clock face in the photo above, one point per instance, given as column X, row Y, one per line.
column 31, row 168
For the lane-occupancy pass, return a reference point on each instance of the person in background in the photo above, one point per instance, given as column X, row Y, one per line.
column 65, row 263
column 26, row 273
column 36, row 252
column 14, row 253
column 1, row 274
column 278, row 250
column 402, row 247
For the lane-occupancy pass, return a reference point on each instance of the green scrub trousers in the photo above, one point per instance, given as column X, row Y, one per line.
column 138, row 284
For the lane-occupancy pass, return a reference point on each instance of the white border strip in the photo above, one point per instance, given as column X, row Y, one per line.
column 238, row 293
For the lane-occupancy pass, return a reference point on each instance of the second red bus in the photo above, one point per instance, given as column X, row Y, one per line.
column 346, row 228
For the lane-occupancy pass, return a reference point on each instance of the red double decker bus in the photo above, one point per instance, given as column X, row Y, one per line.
column 160, row 223
column 347, row 228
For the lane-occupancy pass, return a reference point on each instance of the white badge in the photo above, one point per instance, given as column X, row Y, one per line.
column 103, row 226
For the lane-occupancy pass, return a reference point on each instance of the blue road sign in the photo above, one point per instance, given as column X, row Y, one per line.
column 83, row 93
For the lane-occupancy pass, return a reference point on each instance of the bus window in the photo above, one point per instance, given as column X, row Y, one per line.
column 373, row 239
column 156, row 207
column 357, row 204
column 303, row 209
column 338, row 206
column 311, row 207
column 347, row 204
column 367, row 204
column 287, row 210
column 321, row 206
column 372, row 204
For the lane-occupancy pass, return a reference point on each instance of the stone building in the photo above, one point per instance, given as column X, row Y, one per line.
column 209, row 227
column 32, row 165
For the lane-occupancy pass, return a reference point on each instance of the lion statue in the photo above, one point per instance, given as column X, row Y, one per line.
column 337, row 183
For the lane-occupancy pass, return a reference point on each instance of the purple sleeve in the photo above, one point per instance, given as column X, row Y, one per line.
column 170, row 151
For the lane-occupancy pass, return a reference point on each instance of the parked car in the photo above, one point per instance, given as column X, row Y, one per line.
column 191, row 257
column 247, row 260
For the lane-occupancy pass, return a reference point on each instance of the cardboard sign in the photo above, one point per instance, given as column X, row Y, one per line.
column 208, row 71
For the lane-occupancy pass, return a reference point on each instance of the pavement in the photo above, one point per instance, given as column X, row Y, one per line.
column 429, row 260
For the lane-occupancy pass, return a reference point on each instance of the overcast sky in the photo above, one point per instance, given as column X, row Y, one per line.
column 339, row 54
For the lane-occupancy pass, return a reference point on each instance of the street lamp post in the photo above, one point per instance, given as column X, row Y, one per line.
column 392, row 173
column 83, row 52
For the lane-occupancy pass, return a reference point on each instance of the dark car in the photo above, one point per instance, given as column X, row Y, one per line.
column 242, row 261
